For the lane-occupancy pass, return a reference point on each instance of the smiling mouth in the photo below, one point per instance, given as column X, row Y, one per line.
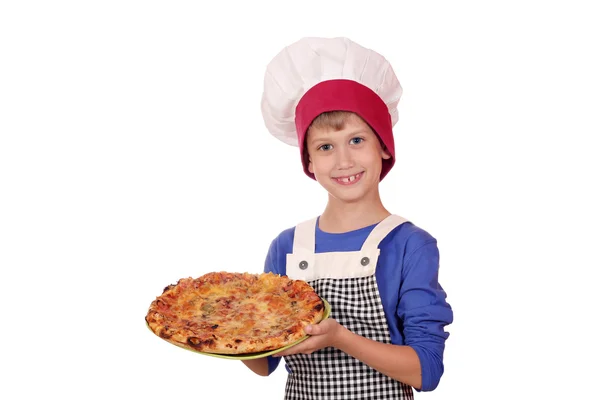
column 348, row 180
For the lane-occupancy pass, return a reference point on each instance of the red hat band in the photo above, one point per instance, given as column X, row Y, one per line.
column 346, row 95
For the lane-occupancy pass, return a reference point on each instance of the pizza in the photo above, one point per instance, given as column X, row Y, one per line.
column 235, row 313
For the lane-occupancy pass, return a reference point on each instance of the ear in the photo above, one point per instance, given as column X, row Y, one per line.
column 385, row 154
column 310, row 167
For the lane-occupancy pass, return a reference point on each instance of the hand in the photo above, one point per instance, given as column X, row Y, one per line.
column 323, row 335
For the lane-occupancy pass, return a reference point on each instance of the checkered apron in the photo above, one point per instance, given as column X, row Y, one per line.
column 347, row 281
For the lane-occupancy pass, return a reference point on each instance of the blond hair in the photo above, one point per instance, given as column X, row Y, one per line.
column 332, row 120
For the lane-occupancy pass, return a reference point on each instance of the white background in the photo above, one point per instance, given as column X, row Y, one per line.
column 133, row 153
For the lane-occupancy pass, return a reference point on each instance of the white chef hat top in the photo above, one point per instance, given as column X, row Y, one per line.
column 315, row 75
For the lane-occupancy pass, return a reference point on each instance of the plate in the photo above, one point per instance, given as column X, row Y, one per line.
column 261, row 354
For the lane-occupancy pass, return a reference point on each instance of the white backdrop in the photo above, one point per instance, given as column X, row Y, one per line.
column 133, row 153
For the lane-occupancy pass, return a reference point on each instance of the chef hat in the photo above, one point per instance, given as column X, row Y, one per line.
column 316, row 75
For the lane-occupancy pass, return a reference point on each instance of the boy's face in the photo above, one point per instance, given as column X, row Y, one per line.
column 347, row 162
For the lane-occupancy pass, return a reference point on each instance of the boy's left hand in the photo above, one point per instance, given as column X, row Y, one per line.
column 322, row 335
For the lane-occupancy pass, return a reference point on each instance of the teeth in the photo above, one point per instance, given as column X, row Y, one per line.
column 349, row 179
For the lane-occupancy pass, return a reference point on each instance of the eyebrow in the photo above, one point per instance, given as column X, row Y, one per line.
column 328, row 136
column 356, row 132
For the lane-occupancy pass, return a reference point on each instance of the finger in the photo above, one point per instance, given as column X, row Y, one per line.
column 287, row 352
column 291, row 350
column 299, row 348
column 315, row 329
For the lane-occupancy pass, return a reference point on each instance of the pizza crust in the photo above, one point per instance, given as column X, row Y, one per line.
column 235, row 313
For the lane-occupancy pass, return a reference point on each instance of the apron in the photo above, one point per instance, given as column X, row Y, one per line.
column 347, row 281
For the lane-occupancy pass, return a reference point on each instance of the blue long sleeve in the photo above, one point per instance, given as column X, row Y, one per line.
column 274, row 264
column 424, row 312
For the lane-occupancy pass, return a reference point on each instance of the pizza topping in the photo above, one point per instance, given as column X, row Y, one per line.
column 232, row 313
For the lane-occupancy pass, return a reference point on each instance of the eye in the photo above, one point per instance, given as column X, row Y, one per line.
column 325, row 147
column 356, row 140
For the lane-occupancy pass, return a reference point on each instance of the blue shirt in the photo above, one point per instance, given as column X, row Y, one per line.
column 407, row 276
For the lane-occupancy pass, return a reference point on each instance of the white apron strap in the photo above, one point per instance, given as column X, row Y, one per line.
column 304, row 236
column 300, row 264
column 381, row 231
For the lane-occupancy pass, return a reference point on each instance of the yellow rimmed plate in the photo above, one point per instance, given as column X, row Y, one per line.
column 262, row 354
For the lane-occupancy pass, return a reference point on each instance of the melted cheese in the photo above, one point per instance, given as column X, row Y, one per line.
column 227, row 309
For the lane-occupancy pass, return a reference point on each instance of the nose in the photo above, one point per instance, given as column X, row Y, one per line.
column 344, row 158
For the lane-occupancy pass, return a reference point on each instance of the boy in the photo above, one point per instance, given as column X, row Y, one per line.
column 337, row 101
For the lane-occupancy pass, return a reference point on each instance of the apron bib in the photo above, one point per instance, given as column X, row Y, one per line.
column 347, row 281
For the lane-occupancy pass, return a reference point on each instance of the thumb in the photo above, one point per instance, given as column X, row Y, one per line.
column 315, row 329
